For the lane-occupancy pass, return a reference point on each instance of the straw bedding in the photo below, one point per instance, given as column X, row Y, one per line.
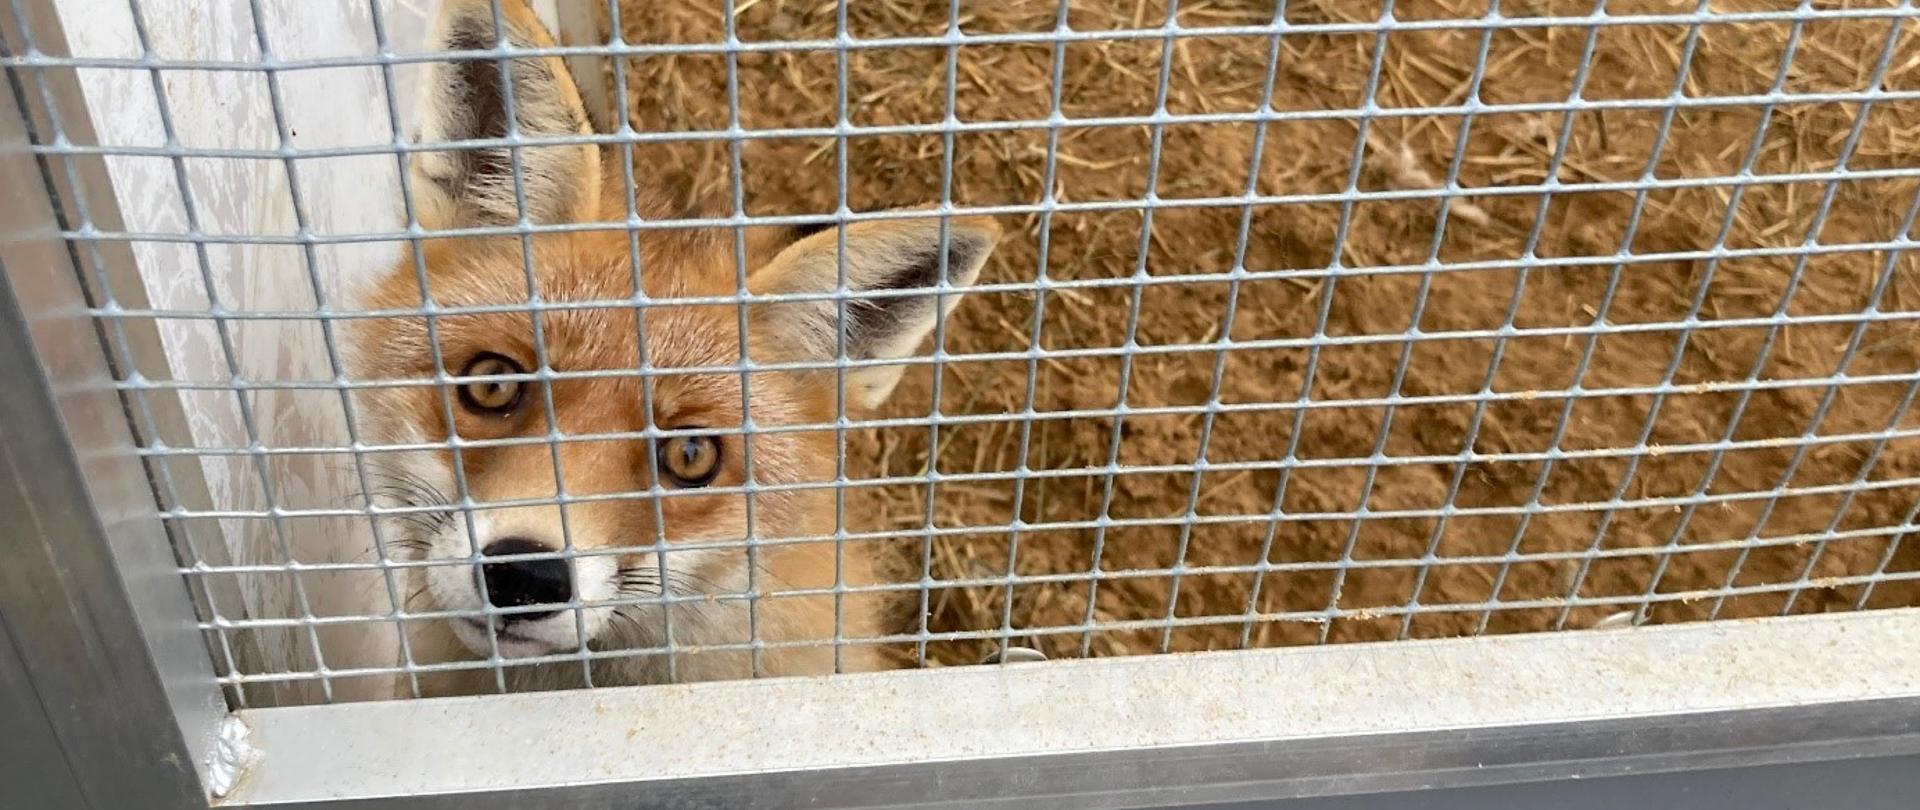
column 1488, row 550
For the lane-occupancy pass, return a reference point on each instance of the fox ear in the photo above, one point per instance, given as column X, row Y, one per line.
column 901, row 257
column 467, row 99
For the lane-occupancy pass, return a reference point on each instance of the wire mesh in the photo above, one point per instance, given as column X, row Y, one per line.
column 1708, row 421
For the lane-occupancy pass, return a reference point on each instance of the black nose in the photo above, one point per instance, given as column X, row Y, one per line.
column 519, row 583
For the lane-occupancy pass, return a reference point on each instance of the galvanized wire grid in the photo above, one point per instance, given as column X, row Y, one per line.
column 30, row 68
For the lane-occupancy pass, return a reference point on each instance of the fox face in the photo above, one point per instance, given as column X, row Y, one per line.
column 591, row 413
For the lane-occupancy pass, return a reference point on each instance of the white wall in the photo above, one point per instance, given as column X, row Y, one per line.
column 229, row 109
column 212, row 109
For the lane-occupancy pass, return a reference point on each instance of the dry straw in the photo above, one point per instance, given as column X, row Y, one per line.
column 1536, row 542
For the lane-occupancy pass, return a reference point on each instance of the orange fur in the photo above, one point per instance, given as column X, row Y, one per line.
column 577, row 184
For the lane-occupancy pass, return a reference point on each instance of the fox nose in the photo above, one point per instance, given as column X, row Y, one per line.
column 518, row 583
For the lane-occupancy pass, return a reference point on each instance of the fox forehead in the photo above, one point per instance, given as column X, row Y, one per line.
column 588, row 317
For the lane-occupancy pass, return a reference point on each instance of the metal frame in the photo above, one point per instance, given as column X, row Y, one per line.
column 110, row 695
column 83, row 190
column 1152, row 731
column 1861, row 784
column 103, row 662
column 577, row 24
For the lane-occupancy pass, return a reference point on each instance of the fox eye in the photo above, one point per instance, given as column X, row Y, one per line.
column 690, row 461
column 491, row 397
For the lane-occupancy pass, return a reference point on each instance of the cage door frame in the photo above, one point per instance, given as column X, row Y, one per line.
column 102, row 661
column 1149, row 731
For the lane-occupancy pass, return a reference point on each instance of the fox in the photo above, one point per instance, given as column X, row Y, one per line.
column 488, row 438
